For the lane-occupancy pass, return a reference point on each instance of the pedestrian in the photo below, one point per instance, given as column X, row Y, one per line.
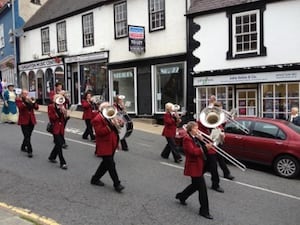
column 57, row 116
column 194, row 167
column 9, row 110
column 87, row 115
column 27, row 120
column 107, row 139
column 169, row 131
column 294, row 117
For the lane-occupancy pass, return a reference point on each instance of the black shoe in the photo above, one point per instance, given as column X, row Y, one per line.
column 64, row 146
column 119, row 188
column 206, row 215
column 52, row 160
column 178, row 160
column 218, row 189
column 23, row 148
column 229, row 177
column 164, row 157
column 29, row 155
column 64, row 166
column 98, row 182
column 182, row 202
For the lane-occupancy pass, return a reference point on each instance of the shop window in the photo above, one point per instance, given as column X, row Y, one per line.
column 88, row 30
column 94, row 79
column 32, row 84
column 169, row 85
column 45, row 41
column 156, row 14
column 24, row 81
column 123, row 84
column 120, row 12
column 279, row 98
column 246, row 32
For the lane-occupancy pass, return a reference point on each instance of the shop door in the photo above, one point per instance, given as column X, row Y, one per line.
column 40, row 88
column 246, row 102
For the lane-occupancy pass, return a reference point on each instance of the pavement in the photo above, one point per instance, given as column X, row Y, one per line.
column 11, row 215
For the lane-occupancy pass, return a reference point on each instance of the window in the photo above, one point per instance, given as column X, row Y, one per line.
column 246, row 31
column 88, row 30
column 45, row 41
column 267, row 130
column 170, row 85
column 233, row 127
column 61, row 37
column 120, row 11
column 2, row 40
column 156, row 14
column 38, row 2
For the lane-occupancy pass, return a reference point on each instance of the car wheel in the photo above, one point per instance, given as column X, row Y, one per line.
column 286, row 166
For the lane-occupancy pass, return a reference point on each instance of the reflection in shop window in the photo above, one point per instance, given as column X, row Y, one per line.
column 169, row 85
column 24, row 81
column 32, row 85
column 123, row 84
column 94, row 79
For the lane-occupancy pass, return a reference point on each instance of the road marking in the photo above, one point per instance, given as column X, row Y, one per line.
column 241, row 183
column 68, row 139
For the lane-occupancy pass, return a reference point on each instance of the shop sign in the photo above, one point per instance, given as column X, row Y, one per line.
column 87, row 57
column 136, row 37
column 248, row 78
column 169, row 70
column 39, row 64
column 125, row 74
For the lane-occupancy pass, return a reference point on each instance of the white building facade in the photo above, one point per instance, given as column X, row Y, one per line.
column 248, row 56
column 134, row 48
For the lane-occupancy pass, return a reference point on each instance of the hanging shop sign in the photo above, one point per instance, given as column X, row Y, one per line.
column 136, row 37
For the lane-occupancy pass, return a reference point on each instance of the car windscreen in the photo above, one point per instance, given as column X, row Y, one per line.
column 294, row 127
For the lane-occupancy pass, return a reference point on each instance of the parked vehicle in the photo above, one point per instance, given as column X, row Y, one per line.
column 270, row 142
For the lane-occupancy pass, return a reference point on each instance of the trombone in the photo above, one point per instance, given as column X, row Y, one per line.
column 207, row 140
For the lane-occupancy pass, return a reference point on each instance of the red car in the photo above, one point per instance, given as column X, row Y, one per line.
column 270, row 142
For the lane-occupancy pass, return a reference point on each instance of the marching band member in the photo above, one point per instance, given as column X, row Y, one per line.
column 169, row 131
column 194, row 167
column 107, row 139
column 119, row 105
column 59, row 90
column 27, row 120
column 57, row 116
column 87, row 115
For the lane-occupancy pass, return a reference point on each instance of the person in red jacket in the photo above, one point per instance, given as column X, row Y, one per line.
column 194, row 167
column 57, row 116
column 27, row 120
column 87, row 115
column 169, row 131
column 107, row 139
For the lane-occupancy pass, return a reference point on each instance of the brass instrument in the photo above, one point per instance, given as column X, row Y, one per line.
column 110, row 113
column 30, row 100
column 212, row 117
column 207, row 140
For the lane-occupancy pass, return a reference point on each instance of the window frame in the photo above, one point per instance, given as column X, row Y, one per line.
column 62, row 42
column 151, row 12
column 117, row 22
column 246, row 9
column 44, row 42
column 2, row 36
column 91, row 27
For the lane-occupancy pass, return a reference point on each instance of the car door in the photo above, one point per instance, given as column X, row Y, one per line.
column 264, row 142
column 234, row 142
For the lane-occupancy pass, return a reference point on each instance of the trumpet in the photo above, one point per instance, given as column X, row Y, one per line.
column 110, row 113
column 212, row 117
column 207, row 140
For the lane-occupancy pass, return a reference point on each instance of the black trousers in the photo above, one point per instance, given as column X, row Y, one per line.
column 27, row 131
column 223, row 165
column 88, row 130
column 124, row 144
column 107, row 164
column 170, row 147
column 57, row 150
column 212, row 167
column 198, row 184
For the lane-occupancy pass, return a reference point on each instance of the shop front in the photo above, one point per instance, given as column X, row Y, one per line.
column 87, row 73
column 39, row 77
column 267, row 94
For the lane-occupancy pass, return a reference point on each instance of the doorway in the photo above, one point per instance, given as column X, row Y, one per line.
column 246, row 102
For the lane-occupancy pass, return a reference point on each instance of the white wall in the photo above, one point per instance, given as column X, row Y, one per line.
column 172, row 40
column 281, row 38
